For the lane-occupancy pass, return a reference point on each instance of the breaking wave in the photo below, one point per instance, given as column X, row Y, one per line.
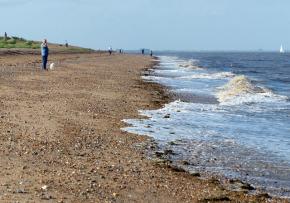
column 240, row 90
column 189, row 64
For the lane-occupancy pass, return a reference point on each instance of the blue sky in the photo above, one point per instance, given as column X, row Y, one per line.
column 155, row 24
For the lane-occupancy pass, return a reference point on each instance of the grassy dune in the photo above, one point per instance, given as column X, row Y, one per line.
column 21, row 43
column 17, row 42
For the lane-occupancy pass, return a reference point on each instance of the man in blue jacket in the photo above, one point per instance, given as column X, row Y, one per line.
column 44, row 53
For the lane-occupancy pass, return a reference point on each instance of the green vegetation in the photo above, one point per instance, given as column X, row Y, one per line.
column 16, row 42
column 79, row 49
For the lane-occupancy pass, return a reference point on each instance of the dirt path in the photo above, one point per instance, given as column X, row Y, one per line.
column 60, row 137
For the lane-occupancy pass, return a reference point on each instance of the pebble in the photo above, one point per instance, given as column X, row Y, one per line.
column 167, row 116
column 44, row 187
column 20, row 191
column 46, row 197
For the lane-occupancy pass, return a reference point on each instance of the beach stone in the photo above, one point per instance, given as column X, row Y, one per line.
column 44, row 187
column 264, row 195
column 159, row 161
column 167, row 116
column 46, row 197
column 159, row 153
column 216, row 199
column 172, row 143
column 184, row 162
column 247, row 186
column 195, row 174
column 168, row 151
column 238, row 184
column 20, row 191
column 177, row 168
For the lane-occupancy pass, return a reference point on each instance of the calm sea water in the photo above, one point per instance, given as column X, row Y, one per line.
column 231, row 116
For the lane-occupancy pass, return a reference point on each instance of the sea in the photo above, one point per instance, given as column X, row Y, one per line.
column 230, row 117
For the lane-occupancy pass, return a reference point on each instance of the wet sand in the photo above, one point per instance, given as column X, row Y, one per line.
column 61, row 141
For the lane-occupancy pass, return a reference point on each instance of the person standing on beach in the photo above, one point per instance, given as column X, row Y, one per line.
column 44, row 53
column 110, row 50
column 5, row 36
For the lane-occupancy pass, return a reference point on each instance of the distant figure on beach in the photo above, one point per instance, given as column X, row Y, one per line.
column 44, row 53
column 5, row 36
column 151, row 53
column 110, row 50
column 66, row 44
column 143, row 51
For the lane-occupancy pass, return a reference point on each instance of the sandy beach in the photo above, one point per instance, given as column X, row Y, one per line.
column 61, row 141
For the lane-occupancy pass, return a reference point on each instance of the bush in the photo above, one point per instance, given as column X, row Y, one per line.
column 35, row 46
column 11, row 41
column 29, row 43
column 10, row 46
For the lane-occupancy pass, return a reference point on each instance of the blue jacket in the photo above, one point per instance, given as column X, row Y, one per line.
column 44, row 50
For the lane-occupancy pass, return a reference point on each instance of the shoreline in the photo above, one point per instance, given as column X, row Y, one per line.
column 161, row 156
column 61, row 139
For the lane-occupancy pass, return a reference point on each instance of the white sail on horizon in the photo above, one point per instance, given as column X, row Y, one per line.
column 282, row 49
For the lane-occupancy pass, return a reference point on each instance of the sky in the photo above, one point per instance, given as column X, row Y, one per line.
column 153, row 24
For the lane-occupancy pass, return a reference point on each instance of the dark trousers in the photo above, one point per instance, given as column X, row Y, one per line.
column 44, row 62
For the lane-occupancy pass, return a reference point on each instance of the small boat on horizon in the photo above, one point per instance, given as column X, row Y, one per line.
column 282, row 49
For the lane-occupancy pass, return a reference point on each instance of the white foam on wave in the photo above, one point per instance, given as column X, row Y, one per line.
column 191, row 64
column 151, row 78
column 241, row 90
column 213, row 76
column 162, row 123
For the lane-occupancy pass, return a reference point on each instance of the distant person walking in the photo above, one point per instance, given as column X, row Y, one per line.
column 151, row 53
column 110, row 50
column 143, row 51
column 5, row 36
column 44, row 53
